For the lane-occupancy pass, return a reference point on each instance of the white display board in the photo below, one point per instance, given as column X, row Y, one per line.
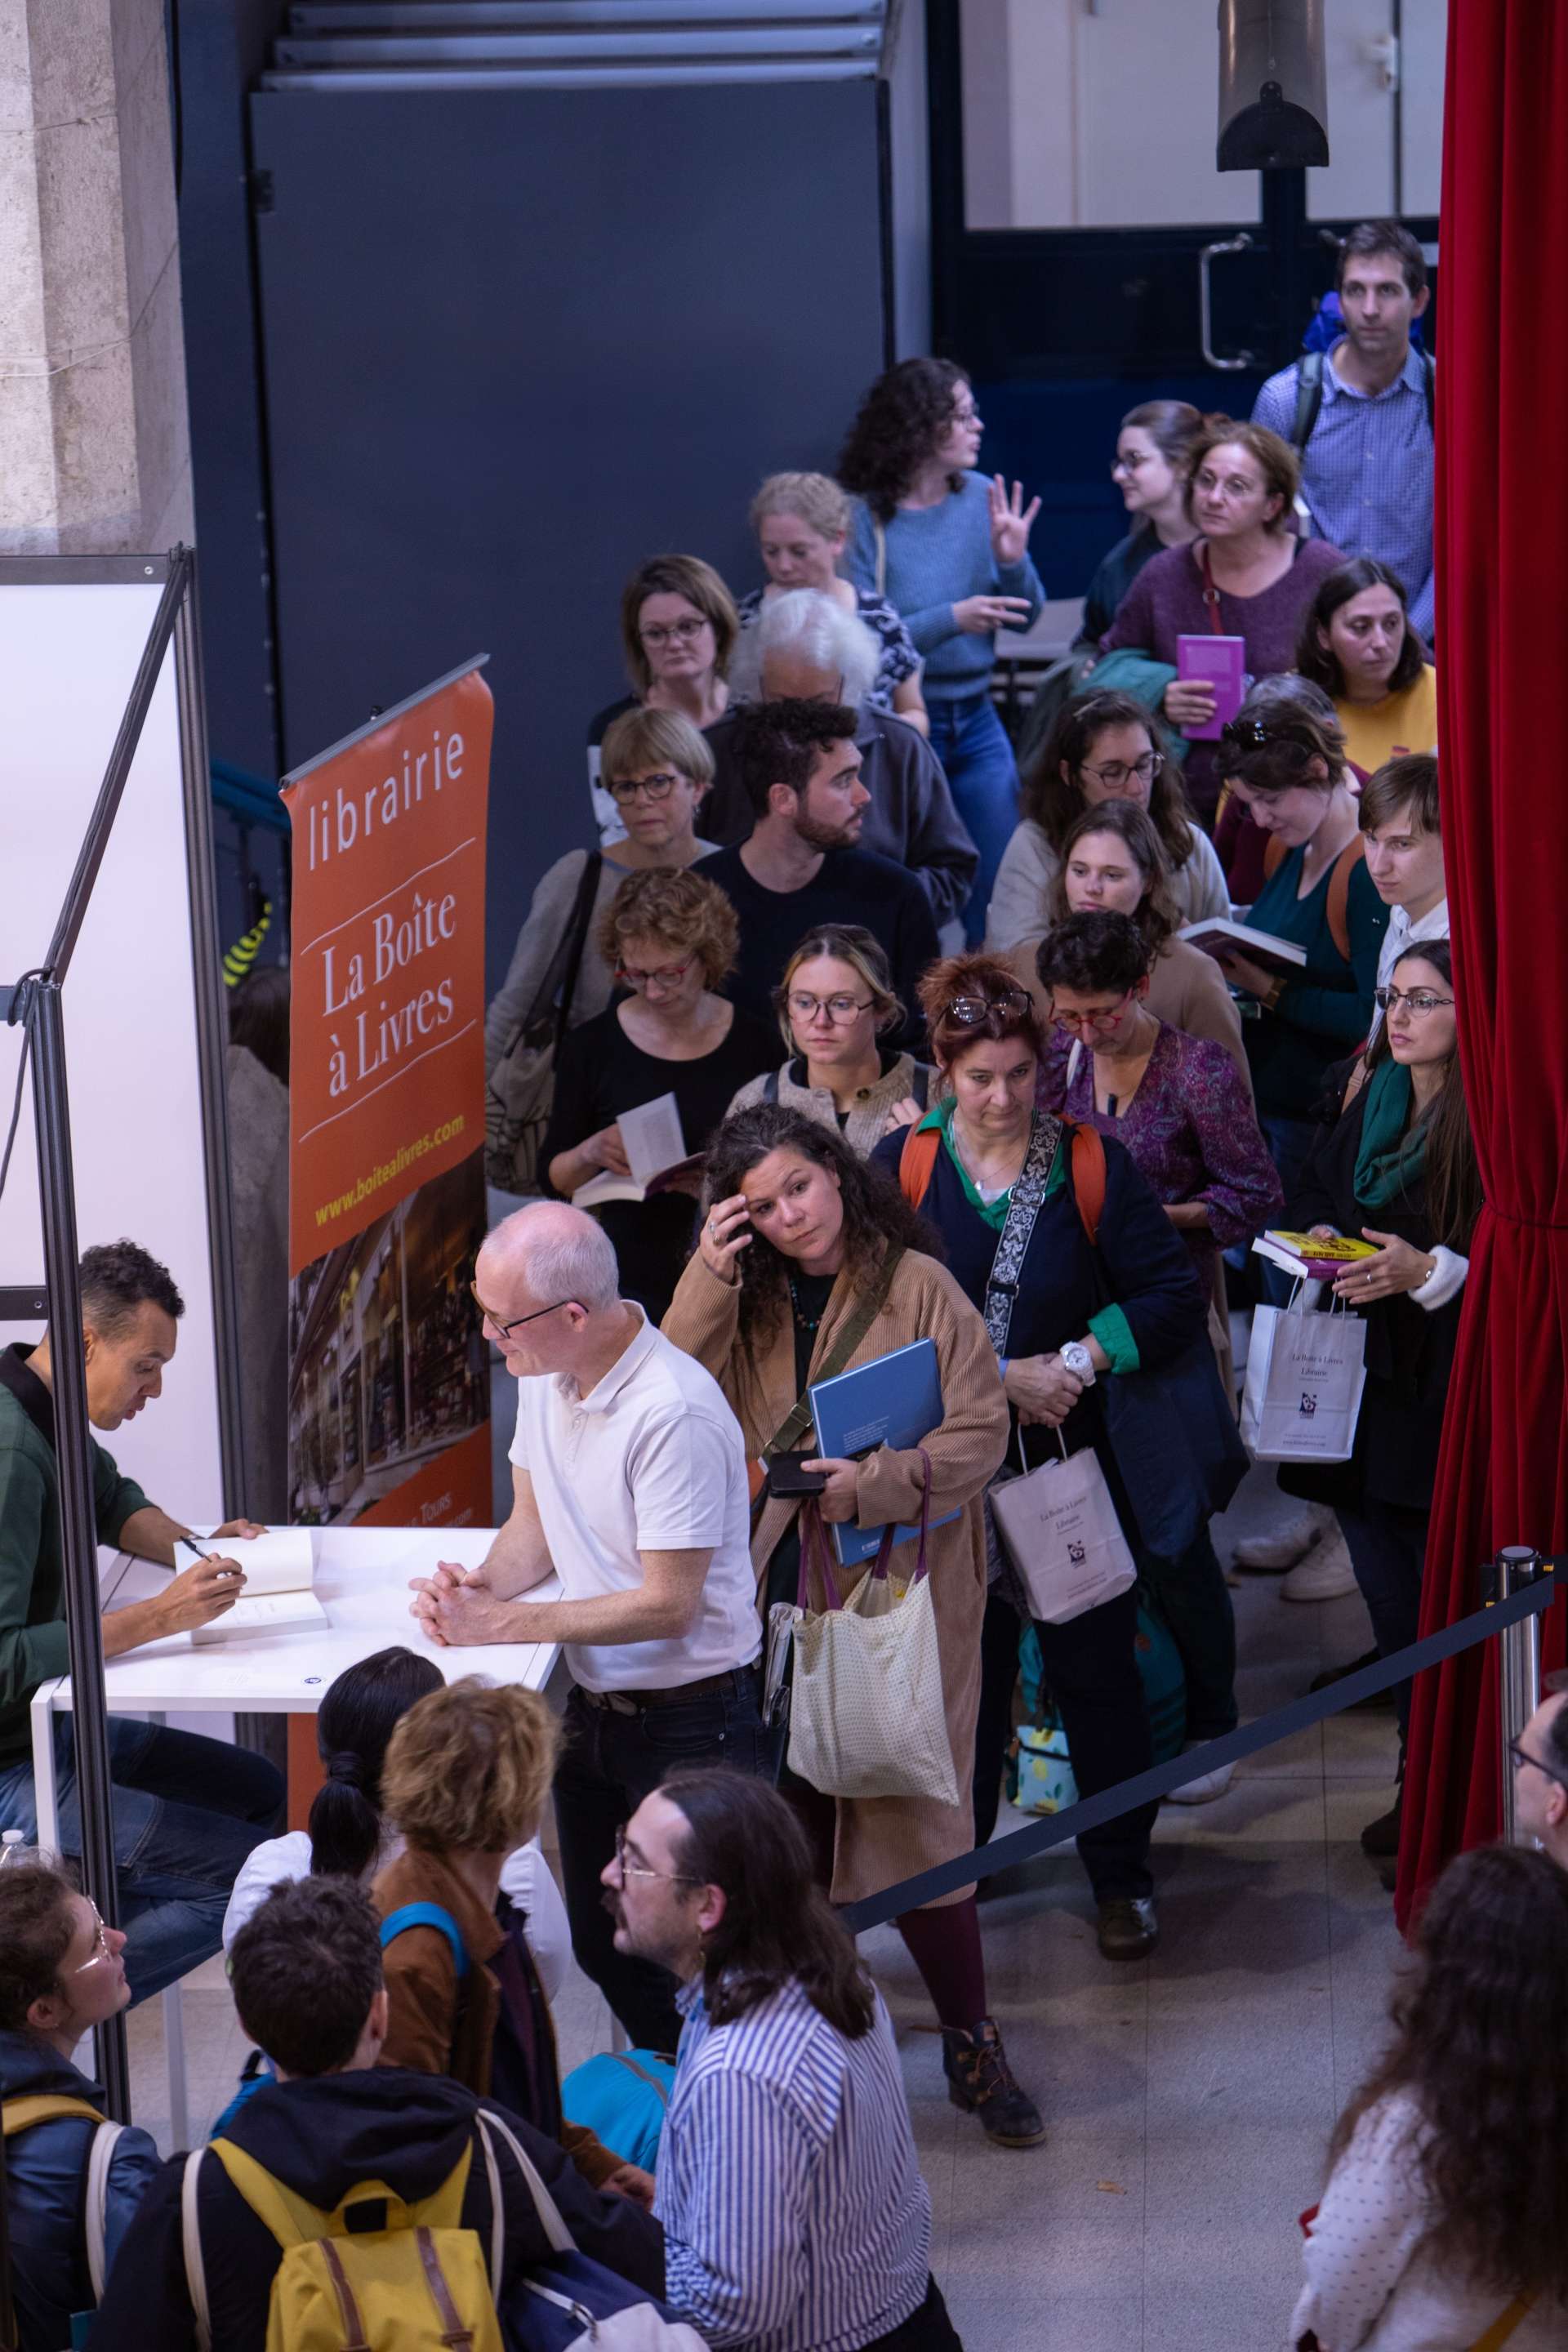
column 69, row 653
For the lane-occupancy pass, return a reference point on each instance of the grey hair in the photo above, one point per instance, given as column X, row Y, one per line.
column 811, row 624
column 567, row 1253
column 1289, row 686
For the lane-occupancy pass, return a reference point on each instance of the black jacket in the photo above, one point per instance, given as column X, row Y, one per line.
column 320, row 2136
column 1409, row 1349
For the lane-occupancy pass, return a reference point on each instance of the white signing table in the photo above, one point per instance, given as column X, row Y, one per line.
column 362, row 1581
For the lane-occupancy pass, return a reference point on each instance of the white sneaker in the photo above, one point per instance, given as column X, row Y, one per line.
column 1325, row 1574
column 1271, row 1554
column 1206, row 1787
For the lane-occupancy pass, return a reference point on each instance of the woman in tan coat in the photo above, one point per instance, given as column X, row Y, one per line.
column 799, row 1239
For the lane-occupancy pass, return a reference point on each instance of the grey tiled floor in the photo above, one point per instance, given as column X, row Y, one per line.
column 1188, row 2098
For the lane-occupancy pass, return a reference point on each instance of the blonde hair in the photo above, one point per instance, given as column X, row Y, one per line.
column 677, row 908
column 815, row 497
column 867, row 957
column 643, row 739
column 468, row 1768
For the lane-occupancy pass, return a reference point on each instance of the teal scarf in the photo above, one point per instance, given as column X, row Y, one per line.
column 1389, row 1161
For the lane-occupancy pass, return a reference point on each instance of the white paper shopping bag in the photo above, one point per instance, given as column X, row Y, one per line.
column 1305, row 1374
column 1062, row 1533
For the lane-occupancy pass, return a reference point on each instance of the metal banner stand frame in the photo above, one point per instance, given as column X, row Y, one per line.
column 34, row 1001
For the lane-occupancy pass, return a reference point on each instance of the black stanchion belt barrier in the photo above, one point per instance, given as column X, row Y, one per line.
column 1145, row 1788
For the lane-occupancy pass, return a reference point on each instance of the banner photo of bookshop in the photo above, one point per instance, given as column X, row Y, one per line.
column 388, row 1364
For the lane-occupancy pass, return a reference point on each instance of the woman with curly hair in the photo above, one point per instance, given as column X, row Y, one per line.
column 1103, row 747
column 801, row 1240
column 949, row 551
column 669, row 938
column 1445, row 2222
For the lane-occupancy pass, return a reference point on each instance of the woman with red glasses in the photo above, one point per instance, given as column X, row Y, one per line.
column 1077, row 1313
column 669, row 938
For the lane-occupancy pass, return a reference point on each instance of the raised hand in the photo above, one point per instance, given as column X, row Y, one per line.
column 1011, row 520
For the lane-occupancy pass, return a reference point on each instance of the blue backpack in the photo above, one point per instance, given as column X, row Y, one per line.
column 622, row 2096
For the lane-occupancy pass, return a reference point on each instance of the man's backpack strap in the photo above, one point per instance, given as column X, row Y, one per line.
column 426, row 1915
column 1308, row 398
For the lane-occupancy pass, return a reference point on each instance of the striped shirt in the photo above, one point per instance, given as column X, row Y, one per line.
column 1366, row 470
column 795, row 2216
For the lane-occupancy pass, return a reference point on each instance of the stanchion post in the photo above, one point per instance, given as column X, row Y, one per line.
column 78, row 1525
column 1519, row 1670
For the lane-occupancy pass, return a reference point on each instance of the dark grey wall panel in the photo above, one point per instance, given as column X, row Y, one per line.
column 514, row 343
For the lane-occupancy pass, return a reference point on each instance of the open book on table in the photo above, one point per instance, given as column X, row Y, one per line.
column 656, row 1155
column 280, row 1580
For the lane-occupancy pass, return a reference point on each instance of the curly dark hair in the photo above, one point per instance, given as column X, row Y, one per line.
column 875, row 1212
column 117, row 1277
column 1051, row 799
column 1320, row 662
column 899, row 424
column 36, row 1924
column 1095, row 950
column 1481, row 2048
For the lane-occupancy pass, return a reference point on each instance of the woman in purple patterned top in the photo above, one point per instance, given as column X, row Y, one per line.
column 1179, row 1104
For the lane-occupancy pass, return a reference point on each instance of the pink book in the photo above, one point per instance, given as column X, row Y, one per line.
column 1220, row 662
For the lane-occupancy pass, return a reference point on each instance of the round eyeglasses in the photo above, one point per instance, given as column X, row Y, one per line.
column 681, row 633
column 970, row 1011
column 1103, row 1023
column 653, row 788
column 839, row 1009
column 1114, row 775
column 666, row 974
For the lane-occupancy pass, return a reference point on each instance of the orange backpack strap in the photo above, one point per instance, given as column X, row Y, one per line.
column 1088, row 1177
column 1349, row 858
column 1274, row 855
column 917, row 1161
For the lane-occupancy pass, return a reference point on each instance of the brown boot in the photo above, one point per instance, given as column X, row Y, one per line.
column 980, row 2080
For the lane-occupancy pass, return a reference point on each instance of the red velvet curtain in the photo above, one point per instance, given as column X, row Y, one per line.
column 1503, row 632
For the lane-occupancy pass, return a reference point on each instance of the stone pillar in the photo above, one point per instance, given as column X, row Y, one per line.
column 94, row 436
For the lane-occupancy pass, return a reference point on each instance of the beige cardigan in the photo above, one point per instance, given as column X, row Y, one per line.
column 880, row 1840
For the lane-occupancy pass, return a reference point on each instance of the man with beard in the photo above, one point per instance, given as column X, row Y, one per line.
column 800, row 868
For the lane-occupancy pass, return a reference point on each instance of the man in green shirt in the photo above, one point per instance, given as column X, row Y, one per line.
column 186, row 1810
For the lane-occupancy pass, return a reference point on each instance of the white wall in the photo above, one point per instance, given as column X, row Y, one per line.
column 1102, row 114
column 68, row 656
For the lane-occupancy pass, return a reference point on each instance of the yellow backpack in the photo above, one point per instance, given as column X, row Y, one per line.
column 415, row 2281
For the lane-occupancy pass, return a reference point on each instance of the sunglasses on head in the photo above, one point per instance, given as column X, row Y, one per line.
column 1258, row 735
column 970, row 1011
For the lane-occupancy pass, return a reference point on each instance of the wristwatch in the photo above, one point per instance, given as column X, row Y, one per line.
column 1079, row 1360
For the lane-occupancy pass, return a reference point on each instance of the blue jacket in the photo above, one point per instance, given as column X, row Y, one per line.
column 45, row 2174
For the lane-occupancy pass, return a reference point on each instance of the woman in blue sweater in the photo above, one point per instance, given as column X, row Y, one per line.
column 949, row 551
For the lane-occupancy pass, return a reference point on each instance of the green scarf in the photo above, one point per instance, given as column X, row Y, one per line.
column 994, row 1213
column 1389, row 1161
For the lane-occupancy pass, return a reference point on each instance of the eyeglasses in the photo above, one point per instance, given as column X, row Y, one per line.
column 100, row 1952
column 1521, row 1755
column 1419, row 1001
column 518, row 1321
column 970, row 1011
column 666, row 974
column 1098, row 1025
column 654, row 788
column 1120, row 465
column 1115, row 774
column 684, row 632
column 837, row 1008
column 624, row 1869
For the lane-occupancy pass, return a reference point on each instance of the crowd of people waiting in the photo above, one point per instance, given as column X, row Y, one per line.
column 943, row 1068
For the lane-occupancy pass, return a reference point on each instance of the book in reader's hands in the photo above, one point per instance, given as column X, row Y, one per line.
column 895, row 1400
column 657, row 1157
column 1220, row 935
column 1320, row 1258
column 280, row 1579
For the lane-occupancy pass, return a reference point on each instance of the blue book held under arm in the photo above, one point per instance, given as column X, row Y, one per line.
column 894, row 1401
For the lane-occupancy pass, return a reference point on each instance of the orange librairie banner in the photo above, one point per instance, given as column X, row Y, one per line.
column 386, row 1064
column 389, row 1379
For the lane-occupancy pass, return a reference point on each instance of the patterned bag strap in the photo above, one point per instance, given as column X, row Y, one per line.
column 1027, row 1198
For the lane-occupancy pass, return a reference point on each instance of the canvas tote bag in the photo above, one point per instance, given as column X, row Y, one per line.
column 1305, row 1374
column 867, row 1716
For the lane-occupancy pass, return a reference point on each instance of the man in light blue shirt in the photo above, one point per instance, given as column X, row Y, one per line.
column 795, row 2216
column 1366, row 465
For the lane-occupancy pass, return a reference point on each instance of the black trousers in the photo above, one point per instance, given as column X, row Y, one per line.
column 929, row 2330
column 1091, row 1666
column 1387, row 1544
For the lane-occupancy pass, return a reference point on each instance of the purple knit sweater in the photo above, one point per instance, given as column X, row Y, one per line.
column 1166, row 602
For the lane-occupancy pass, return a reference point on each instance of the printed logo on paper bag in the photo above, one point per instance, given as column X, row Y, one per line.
column 1308, row 1405
column 1078, row 1553
column 388, row 1374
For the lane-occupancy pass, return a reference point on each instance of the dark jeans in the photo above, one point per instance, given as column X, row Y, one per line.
column 187, row 1813
column 971, row 741
column 609, row 1763
column 1091, row 1667
column 1194, row 1600
column 929, row 2330
column 1387, row 1544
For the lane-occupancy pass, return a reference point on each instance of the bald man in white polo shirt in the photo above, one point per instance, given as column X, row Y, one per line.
column 628, row 1481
